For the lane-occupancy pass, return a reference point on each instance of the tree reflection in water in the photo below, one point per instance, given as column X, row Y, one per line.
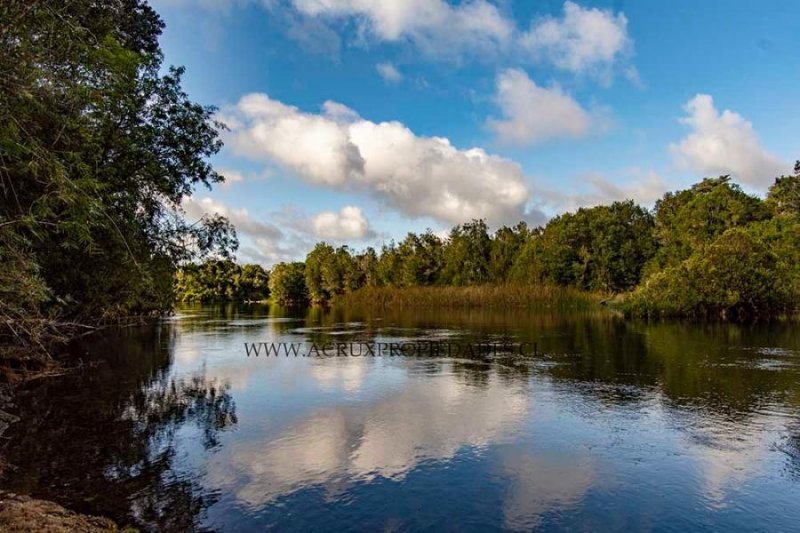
column 107, row 446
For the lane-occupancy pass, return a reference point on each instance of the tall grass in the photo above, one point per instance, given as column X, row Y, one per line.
column 498, row 296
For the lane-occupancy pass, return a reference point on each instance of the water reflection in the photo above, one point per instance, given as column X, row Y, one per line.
column 423, row 421
column 103, row 440
column 613, row 424
column 529, row 499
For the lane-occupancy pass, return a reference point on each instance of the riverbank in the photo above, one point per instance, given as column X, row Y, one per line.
column 23, row 514
column 638, row 304
column 20, row 513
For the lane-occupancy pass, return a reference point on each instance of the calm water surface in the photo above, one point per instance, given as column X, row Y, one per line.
column 612, row 425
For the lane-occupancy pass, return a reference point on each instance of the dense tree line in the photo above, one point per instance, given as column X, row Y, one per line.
column 708, row 250
column 99, row 145
column 221, row 280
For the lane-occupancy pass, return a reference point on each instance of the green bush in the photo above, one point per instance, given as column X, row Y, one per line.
column 737, row 276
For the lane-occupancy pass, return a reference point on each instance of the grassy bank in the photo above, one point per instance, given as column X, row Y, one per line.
column 493, row 296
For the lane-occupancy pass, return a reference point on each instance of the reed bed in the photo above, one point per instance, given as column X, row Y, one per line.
column 492, row 296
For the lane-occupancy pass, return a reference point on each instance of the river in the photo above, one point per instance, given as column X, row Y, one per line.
column 520, row 421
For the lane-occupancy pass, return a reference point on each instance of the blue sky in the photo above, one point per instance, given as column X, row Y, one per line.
column 356, row 121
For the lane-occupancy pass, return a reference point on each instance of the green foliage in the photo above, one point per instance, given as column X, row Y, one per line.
column 318, row 272
column 367, row 264
column 687, row 220
column 506, row 246
column 422, row 259
column 723, row 253
column 221, row 281
column 99, row 148
column 784, row 195
column 287, row 283
column 735, row 276
column 389, row 267
column 782, row 237
column 330, row 272
column 601, row 249
column 710, row 250
column 466, row 258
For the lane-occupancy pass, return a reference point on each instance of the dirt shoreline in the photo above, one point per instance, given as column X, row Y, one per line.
column 23, row 514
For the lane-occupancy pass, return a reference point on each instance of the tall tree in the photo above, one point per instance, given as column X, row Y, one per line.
column 318, row 272
column 367, row 263
column 422, row 257
column 506, row 245
column 466, row 257
column 598, row 248
column 99, row 149
column 784, row 195
column 287, row 283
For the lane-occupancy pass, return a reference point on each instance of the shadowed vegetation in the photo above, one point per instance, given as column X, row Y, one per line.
column 221, row 281
column 100, row 145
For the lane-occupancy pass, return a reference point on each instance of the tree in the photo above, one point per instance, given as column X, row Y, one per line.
column 221, row 281
column 99, row 150
column 318, row 272
column 367, row 264
column 599, row 248
column 781, row 235
column 735, row 276
column 784, row 195
column 352, row 276
column 339, row 273
column 620, row 242
column 287, row 283
column 421, row 259
column 252, row 284
column 390, row 266
column 689, row 219
column 466, row 256
column 506, row 246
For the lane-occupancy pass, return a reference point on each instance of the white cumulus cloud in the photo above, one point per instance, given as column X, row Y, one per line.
column 533, row 114
column 585, row 40
column 724, row 143
column 315, row 146
column 349, row 223
column 240, row 218
column 262, row 242
column 389, row 73
column 419, row 176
